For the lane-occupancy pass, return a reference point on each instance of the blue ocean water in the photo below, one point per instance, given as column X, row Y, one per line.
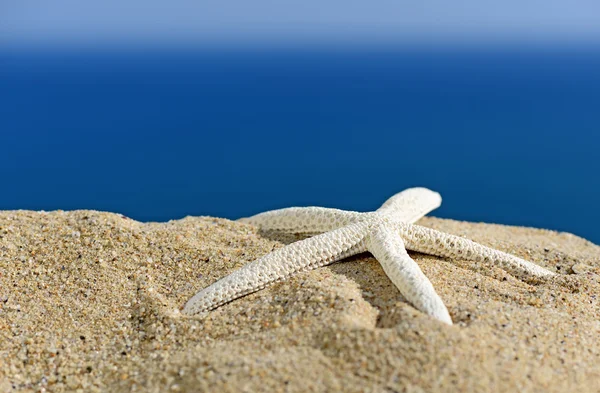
column 506, row 135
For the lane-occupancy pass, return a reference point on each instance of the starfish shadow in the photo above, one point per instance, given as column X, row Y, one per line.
column 377, row 289
column 374, row 285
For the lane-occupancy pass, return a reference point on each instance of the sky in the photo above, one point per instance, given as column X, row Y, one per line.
column 236, row 21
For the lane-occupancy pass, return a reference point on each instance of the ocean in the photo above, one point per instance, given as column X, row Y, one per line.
column 507, row 135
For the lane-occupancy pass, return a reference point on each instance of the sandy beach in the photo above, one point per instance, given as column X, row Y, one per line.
column 89, row 301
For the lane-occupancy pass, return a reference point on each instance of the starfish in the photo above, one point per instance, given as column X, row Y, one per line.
column 336, row 234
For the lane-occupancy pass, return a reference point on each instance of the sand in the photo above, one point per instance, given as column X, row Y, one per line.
column 89, row 302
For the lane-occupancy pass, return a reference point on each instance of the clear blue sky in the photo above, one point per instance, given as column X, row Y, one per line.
column 237, row 21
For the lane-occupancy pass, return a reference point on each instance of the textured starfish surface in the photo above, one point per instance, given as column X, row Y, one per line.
column 387, row 233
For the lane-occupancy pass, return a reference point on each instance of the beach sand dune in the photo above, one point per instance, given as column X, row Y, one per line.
column 89, row 301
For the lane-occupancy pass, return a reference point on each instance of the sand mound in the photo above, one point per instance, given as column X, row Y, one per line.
column 89, row 301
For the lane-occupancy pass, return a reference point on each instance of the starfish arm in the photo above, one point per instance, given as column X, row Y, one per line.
column 430, row 241
column 300, row 256
column 302, row 220
column 388, row 248
column 411, row 204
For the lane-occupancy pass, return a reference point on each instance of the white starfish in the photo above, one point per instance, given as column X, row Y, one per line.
column 386, row 233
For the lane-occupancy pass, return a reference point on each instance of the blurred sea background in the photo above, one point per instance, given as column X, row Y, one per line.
column 162, row 112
